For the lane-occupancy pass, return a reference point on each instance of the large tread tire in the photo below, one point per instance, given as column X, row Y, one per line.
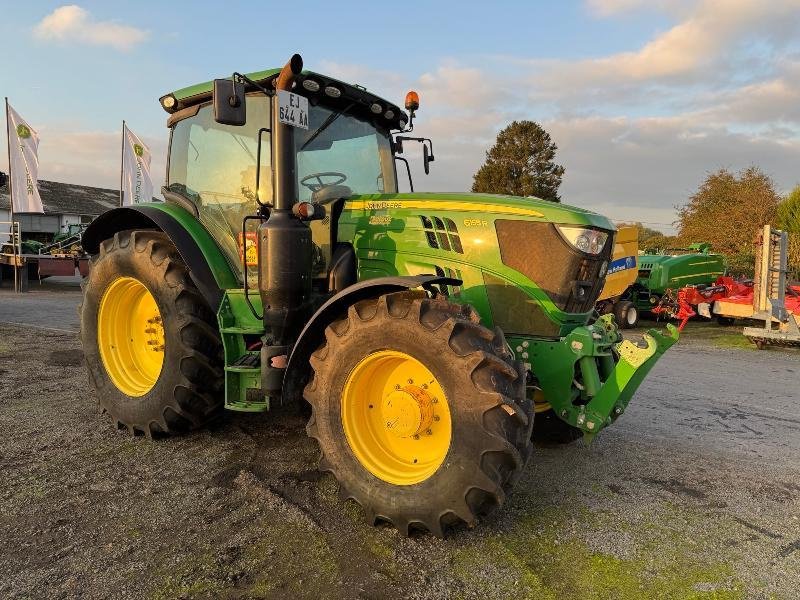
column 626, row 314
column 549, row 429
column 491, row 418
column 188, row 392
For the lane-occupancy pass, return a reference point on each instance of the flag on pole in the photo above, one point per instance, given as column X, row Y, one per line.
column 136, row 183
column 23, row 163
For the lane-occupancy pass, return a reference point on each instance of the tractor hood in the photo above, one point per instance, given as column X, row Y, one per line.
column 483, row 204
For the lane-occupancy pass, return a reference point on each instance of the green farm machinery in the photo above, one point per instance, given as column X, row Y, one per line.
column 673, row 269
column 425, row 331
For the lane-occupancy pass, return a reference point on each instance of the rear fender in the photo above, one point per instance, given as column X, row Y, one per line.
column 313, row 334
column 208, row 266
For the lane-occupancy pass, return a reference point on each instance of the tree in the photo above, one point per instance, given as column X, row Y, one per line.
column 521, row 163
column 727, row 211
column 788, row 217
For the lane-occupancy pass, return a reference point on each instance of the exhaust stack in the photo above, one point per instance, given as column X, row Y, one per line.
column 284, row 248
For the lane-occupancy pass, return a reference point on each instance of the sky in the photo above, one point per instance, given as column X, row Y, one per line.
column 642, row 97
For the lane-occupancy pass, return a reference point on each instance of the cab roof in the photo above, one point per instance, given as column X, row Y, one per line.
column 357, row 95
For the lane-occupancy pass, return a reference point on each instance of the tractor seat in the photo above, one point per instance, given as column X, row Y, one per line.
column 327, row 194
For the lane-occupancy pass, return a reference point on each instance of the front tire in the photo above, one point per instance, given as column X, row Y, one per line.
column 149, row 337
column 419, row 412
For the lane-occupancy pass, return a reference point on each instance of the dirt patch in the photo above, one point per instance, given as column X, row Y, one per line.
column 676, row 500
column 66, row 358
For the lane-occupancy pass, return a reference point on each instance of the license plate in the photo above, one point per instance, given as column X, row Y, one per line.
column 292, row 109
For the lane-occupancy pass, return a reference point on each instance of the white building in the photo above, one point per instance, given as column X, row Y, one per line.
column 64, row 204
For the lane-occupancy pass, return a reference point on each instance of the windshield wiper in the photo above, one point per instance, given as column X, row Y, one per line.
column 327, row 123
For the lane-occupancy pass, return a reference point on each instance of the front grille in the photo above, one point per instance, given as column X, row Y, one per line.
column 514, row 311
column 570, row 278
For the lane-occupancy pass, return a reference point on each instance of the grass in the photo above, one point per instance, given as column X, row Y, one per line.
column 717, row 335
column 548, row 560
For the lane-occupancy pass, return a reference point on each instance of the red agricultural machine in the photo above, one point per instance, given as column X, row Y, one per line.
column 770, row 298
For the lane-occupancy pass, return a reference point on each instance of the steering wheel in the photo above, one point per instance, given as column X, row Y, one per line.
column 319, row 184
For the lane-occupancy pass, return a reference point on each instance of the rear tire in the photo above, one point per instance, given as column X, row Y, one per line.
column 473, row 374
column 181, row 392
column 626, row 314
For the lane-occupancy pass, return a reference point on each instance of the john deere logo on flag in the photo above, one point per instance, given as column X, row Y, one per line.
column 23, row 131
column 138, row 150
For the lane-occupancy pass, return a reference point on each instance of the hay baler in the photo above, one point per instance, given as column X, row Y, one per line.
column 622, row 274
column 672, row 269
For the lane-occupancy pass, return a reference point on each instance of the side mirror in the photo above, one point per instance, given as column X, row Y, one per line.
column 427, row 158
column 229, row 102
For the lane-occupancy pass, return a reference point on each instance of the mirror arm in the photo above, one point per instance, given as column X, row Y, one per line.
column 245, row 79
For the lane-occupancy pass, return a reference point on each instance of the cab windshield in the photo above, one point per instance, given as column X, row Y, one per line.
column 352, row 151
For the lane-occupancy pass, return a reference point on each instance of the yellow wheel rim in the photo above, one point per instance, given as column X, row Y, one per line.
column 540, row 405
column 130, row 336
column 396, row 418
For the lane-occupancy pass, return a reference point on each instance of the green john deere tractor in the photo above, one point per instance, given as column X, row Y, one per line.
column 424, row 330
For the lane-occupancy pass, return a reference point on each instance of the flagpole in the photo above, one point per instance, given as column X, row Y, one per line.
column 11, row 198
column 122, row 164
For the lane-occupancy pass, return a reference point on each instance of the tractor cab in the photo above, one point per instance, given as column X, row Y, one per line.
column 224, row 172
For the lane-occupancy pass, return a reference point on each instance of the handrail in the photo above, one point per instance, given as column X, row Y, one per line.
column 15, row 234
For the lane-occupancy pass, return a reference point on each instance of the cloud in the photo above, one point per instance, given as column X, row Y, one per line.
column 771, row 103
column 637, row 131
column 709, row 34
column 71, row 23
column 627, row 167
column 609, row 8
column 91, row 157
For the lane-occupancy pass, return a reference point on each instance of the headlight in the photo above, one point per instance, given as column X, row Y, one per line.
column 589, row 241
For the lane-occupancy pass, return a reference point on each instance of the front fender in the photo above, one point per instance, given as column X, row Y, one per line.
column 208, row 266
column 313, row 333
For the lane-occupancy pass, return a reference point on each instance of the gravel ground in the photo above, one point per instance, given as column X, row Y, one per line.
column 694, row 493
